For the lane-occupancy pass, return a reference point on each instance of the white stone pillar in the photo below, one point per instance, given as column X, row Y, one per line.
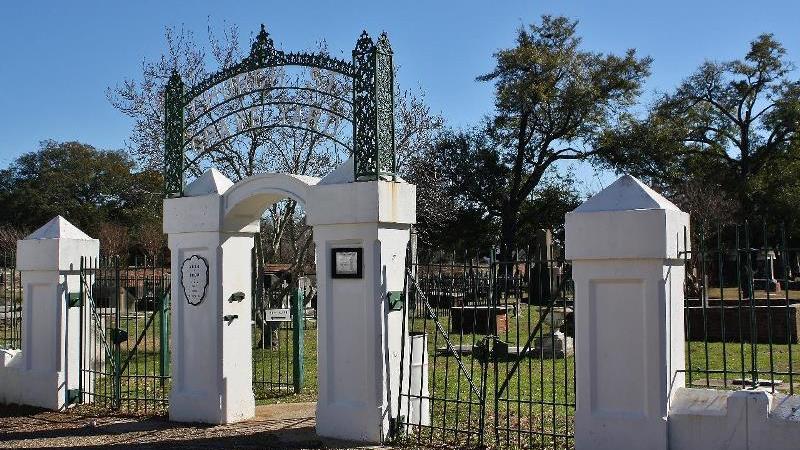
column 625, row 245
column 211, row 331
column 49, row 363
column 359, row 333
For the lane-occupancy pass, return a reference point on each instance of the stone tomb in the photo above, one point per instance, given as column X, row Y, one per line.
column 479, row 319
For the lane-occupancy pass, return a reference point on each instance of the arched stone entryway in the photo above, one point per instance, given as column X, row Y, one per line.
column 359, row 334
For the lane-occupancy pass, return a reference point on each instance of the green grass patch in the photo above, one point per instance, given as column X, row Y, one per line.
column 718, row 365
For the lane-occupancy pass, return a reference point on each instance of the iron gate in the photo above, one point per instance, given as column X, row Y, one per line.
column 124, row 335
column 498, row 340
column 284, row 330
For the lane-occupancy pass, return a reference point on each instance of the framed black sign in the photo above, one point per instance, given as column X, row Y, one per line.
column 346, row 262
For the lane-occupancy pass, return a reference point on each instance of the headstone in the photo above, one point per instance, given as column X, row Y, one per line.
column 553, row 345
column 772, row 284
column 479, row 319
column 555, row 318
column 544, row 268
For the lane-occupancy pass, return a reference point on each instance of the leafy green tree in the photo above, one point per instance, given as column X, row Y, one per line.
column 445, row 221
column 9, row 235
column 459, row 219
column 85, row 185
column 546, row 206
column 727, row 129
column 552, row 101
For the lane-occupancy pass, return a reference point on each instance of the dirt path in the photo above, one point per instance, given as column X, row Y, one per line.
column 275, row 426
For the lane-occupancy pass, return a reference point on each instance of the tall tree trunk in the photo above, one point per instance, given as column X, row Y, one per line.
column 746, row 207
column 508, row 232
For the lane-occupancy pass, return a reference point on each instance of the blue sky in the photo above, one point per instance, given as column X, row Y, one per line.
column 57, row 59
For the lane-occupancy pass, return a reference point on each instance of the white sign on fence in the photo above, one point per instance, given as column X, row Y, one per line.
column 278, row 315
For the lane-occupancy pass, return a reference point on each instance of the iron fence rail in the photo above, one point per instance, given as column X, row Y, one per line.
column 742, row 298
column 500, row 353
column 124, row 314
column 10, row 303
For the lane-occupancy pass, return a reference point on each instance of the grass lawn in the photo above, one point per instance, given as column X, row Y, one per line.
column 536, row 407
column 273, row 368
column 732, row 293
column 10, row 334
column 706, row 362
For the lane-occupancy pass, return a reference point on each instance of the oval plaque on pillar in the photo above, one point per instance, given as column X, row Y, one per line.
column 194, row 279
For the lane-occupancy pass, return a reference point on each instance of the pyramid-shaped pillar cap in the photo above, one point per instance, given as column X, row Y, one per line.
column 345, row 173
column 626, row 194
column 57, row 245
column 212, row 181
column 626, row 220
column 58, row 228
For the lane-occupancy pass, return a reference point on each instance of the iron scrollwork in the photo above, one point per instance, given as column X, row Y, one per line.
column 373, row 109
column 372, row 73
column 173, row 137
column 384, row 108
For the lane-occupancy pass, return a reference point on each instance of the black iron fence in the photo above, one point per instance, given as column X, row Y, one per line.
column 10, row 303
column 284, row 338
column 742, row 299
column 496, row 333
column 124, row 314
column 495, row 339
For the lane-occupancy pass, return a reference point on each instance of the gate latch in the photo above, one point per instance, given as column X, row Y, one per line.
column 237, row 297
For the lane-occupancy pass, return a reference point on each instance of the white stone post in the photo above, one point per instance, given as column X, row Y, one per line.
column 416, row 405
column 211, row 304
column 359, row 334
column 49, row 363
column 625, row 244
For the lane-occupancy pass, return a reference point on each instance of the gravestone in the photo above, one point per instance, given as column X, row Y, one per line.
column 553, row 345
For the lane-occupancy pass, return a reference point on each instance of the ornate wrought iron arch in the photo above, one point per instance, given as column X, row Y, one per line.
column 372, row 107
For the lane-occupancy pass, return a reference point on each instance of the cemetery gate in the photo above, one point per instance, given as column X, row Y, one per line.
column 124, row 361
column 282, row 310
column 496, row 339
column 284, row 328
